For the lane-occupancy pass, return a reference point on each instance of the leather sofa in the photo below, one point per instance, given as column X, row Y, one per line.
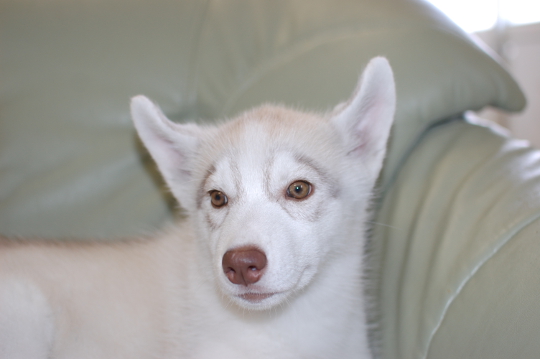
column 454, row 252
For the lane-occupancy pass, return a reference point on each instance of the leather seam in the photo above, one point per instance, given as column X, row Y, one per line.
column 513, row 232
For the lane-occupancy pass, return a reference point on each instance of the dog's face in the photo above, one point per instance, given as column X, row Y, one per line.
column 273, row 193
column 269, row 201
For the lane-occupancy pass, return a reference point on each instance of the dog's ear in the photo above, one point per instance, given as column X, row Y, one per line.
column 365, row 120
column 171, row 145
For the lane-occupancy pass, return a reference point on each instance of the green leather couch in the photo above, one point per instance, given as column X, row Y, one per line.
column 455, row 249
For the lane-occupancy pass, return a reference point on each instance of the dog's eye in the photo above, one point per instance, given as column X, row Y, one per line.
column 218, row 199
column 299, row 189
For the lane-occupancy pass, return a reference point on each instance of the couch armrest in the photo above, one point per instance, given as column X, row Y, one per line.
column 497, row 313
column 457, row 233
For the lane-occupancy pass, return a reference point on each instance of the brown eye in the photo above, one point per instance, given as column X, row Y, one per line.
column 299, row 190
column 218, row 199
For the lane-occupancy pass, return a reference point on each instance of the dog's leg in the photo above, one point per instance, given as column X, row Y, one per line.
column 26, row 322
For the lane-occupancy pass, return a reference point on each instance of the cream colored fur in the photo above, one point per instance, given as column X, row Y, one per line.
column 166, row 296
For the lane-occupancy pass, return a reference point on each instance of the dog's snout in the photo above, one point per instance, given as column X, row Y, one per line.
column 244, row 265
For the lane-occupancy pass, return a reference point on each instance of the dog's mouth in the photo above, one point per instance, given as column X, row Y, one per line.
column 255, row 297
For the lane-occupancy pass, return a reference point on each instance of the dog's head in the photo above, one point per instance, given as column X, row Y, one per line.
column 275, row 193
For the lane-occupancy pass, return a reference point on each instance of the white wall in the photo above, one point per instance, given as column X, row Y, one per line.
column 520, row 46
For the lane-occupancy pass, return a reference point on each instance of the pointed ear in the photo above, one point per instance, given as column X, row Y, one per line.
column 365, row 120
column 171, row 145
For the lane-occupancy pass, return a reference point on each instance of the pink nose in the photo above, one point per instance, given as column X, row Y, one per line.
column 244, row 265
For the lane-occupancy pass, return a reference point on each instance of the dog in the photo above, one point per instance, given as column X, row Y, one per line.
column 268, row 263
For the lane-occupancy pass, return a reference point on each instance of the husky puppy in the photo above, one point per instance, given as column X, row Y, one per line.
column 267, row 265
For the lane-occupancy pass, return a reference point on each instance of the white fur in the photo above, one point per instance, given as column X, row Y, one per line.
column 167, row 296
column 27, row 318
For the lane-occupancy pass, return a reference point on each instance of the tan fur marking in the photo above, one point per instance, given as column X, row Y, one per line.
column 201, row 194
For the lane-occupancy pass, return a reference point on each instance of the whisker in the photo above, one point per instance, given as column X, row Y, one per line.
column 384, row 225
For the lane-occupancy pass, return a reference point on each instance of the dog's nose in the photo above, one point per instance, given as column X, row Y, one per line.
column 244, row 265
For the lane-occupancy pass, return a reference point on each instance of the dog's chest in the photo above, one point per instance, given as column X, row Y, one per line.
column 305, row 339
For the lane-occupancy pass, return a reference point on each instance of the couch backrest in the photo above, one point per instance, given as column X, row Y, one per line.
column 70, row 162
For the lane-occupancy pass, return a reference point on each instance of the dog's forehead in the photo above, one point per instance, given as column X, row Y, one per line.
column 270, row 136
column 270, row 126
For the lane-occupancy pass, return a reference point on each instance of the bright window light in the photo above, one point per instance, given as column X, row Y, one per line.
column 470, row 15
column 478, row 15
column 521, row 12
